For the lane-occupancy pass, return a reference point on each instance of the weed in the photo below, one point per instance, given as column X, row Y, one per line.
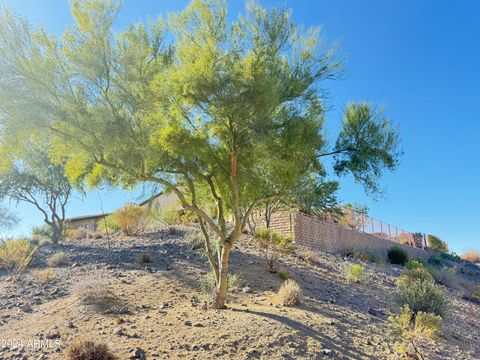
column 290, row 293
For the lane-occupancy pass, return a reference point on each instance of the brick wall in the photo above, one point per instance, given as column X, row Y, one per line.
column 332, row 238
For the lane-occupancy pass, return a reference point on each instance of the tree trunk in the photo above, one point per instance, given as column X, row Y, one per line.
column 57, row 232
column 222, row 284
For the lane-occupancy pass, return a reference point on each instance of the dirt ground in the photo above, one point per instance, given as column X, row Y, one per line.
column 164, row 313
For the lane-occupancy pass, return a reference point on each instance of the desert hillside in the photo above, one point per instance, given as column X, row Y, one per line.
column 154, row 307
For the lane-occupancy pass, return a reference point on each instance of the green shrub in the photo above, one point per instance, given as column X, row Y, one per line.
column 208, row 284
column 130, row 219
column 422, row 296
column 365, row 255
column 474, row 296
column 355, row 272
column 284, row 275
column 42, row 232
column 410, row 329
column 438, row 261
column 290, row 293
column 452, row 257
column 58, row 259
column 273, row 246
column 411, row 275
column 414, row 264
column 446, row 276
column 397, row 255
column 16, row 255
column 436, row 243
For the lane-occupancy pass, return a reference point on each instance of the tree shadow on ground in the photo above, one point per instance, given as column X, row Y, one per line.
column 338, row 346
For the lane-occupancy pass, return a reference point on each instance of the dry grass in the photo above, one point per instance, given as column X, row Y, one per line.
column 471, row 256
column 130, row 219
column 99, row 297
column 88, row 350
column 43, row 276
column 308, row 256
column 15, row 256
column 58, row 259
column 290, row 293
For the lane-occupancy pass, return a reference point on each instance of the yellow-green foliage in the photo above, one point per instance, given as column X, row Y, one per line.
column 410, row 329
column 16, row 255
column 436, row 243
column 410, row 275
column 273, row 246
column 130, row 219
column 290, row 293
column 414, row 264
column 58, row 259
column 171, row 215
column 421, row 294
column 355, row 272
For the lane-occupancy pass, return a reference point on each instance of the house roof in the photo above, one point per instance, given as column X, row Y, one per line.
column 86, row 217
column 150, row 198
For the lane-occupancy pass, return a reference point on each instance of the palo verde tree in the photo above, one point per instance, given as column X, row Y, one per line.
column 34, row 179
column 223, row 114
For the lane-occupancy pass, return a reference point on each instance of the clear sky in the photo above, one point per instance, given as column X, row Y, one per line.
column 420, row 59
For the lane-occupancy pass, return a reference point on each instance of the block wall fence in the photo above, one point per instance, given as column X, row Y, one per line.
column 321, row 235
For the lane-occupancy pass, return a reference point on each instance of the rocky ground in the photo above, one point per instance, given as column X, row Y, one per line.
column 163, row 316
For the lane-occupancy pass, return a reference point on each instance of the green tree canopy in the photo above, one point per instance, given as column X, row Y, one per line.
column 35, row 180
column 230, row 112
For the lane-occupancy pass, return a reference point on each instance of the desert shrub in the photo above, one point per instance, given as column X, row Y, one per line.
column 208, row 284
column 108, row 224
column 397, row 255
column 440, row 261
column 446, row 276
column 308, row 256
column 197, row 243
column 474, row 295
column 290, row 293
column 284, row 275
column 77, row 234
column 99, row 297
column 42, row 232
column 469, row 271
column 43, row 276
column 16, row 255
column 58, row 259
column 414, row 264
column 273, row 247
column 436, row 243
column 410, row 275
column 409, row 330
column 170, row 215
column 88, row 350
column 471, row 256
column 354, row 272
column 450, row 256
column 365, row 255
column 421, row 295
column 130, row 219
column 144, row 258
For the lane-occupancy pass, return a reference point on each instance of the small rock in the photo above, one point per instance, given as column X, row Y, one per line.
column 69, row 325
column 118, row 331
column 138, row 353
column 246, row 290
column 187, row 323
column 26, row 308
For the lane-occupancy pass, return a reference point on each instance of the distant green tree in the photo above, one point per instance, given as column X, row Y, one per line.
column 7, row 219
column 34, row 179
column 437, row 244
column 228, row 115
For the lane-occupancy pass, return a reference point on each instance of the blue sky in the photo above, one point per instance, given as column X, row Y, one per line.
column 419, row 59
